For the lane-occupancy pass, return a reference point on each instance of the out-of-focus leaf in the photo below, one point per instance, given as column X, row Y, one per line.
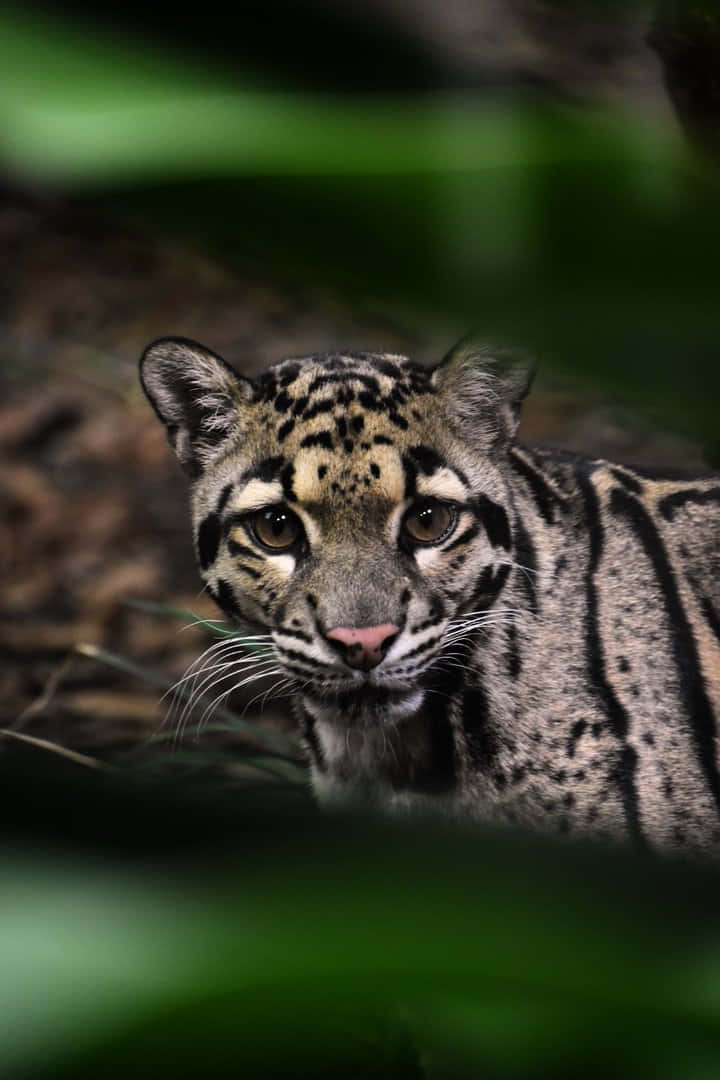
column 482, row 953
column 586, row 235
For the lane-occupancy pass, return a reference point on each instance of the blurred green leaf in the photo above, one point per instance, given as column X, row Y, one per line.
column 474, row 951
column 587, row 235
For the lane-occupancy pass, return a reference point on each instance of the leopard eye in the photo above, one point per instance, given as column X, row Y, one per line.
column 429, row 521
column 276, row 528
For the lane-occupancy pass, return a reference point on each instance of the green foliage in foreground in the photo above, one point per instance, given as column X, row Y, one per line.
column 587, row 235
column 171, row 934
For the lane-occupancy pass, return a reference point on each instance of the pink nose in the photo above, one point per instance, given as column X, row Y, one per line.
column 364, row 646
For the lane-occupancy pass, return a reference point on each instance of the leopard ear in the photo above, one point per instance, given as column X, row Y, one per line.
column 484, row 388
column 197, row 395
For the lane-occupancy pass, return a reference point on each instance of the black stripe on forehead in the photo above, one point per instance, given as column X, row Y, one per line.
column 267, row 470
column 369, row 381
column 423, row 460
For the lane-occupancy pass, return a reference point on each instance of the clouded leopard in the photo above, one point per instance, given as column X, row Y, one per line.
column 508, row 634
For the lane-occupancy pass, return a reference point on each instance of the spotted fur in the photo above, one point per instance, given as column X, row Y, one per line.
column 557, row 661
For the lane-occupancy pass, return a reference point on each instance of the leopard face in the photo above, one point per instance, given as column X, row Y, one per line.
column 353, row 505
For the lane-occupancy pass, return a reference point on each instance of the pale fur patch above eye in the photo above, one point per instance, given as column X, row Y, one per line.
column 443, row 484
column 257, row 494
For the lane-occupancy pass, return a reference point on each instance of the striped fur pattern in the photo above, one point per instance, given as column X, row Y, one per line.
column 557, row 660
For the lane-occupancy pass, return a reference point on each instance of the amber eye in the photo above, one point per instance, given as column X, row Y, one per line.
column 429, row 521
column 276, row 528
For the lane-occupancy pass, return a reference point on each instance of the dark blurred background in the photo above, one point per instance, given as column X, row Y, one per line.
column 281, row 179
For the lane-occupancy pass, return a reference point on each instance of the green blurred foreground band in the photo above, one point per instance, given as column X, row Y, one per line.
column 332, row 946
column 92, row 110
column 585, row 235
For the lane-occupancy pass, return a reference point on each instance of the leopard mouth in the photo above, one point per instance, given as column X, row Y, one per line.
column 368, row 702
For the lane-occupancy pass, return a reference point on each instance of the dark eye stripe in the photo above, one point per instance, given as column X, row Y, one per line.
column 470, row 533
column 299, row 634
column 240, row 549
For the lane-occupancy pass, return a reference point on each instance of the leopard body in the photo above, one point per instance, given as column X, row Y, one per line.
column 555, row 655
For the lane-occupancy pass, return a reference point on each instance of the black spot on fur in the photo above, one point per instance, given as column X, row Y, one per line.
column 541, row 492
column 283, row 401
column 712, row 617
column 482, row 742
column 225, row 598
column 623, row 663
column 348, row 445
column 320, row 438
column 495, row 520
column 427, row 459
column 671, row 503
column 299, row 405
column 382, row 440
column 265, row 386
column 358, row 423
column 390, row 368
column 322, row 470
column 398, row 420
column 289, row 374
column 341, row 425
column 286, row 479
column 514, row 662
column 410, row 470
column 285, row 429
column 208, row 540
column 223, row 500
column 627, row 480
column 322, row 406
column 268, row 469
column 488, row 586
column 576, row 733
column 375, row 469
column 369, row 401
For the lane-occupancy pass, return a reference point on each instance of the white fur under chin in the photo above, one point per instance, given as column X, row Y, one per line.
column 328, row 713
